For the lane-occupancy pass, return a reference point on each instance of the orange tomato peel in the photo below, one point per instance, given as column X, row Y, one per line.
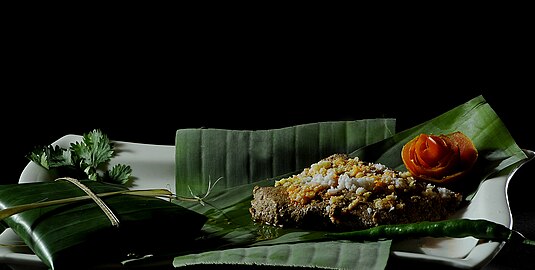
column 439, row 158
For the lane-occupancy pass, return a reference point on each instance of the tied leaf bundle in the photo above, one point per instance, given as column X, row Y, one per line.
column 64, row 227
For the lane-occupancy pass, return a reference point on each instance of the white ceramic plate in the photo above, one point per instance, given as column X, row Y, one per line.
column 154, row 167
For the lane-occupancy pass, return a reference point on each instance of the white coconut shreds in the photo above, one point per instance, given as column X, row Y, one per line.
column 340, row 173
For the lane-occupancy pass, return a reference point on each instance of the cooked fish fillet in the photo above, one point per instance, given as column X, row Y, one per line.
column 342, row 193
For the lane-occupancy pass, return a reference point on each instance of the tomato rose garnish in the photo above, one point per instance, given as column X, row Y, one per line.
column 439, row 158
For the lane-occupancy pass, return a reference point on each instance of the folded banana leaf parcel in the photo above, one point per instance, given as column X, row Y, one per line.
column 68, row 229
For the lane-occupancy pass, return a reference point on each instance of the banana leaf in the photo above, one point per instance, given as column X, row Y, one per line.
column 238, row 157
column 66, row 235
column 316, row 255
column 231, row 237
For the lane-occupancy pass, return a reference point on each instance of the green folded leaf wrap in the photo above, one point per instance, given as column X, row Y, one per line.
column 65, row 235
column 244, row 156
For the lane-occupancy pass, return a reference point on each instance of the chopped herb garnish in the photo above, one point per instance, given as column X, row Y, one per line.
column 84, row 159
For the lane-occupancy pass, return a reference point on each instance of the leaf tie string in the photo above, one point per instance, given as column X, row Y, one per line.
column 111, row 216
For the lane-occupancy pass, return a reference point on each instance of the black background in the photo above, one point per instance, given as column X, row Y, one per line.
column 140, row 82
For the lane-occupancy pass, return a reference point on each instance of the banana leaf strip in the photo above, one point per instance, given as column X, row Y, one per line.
column 316, row 255
column 244, row 156
column 66, row 235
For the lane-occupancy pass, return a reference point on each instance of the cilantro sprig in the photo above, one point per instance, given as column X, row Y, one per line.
column 87, row 159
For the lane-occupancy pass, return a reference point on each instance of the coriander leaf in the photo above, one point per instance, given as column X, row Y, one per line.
column 119, row 174
column 50, row 156
column 94, row 149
